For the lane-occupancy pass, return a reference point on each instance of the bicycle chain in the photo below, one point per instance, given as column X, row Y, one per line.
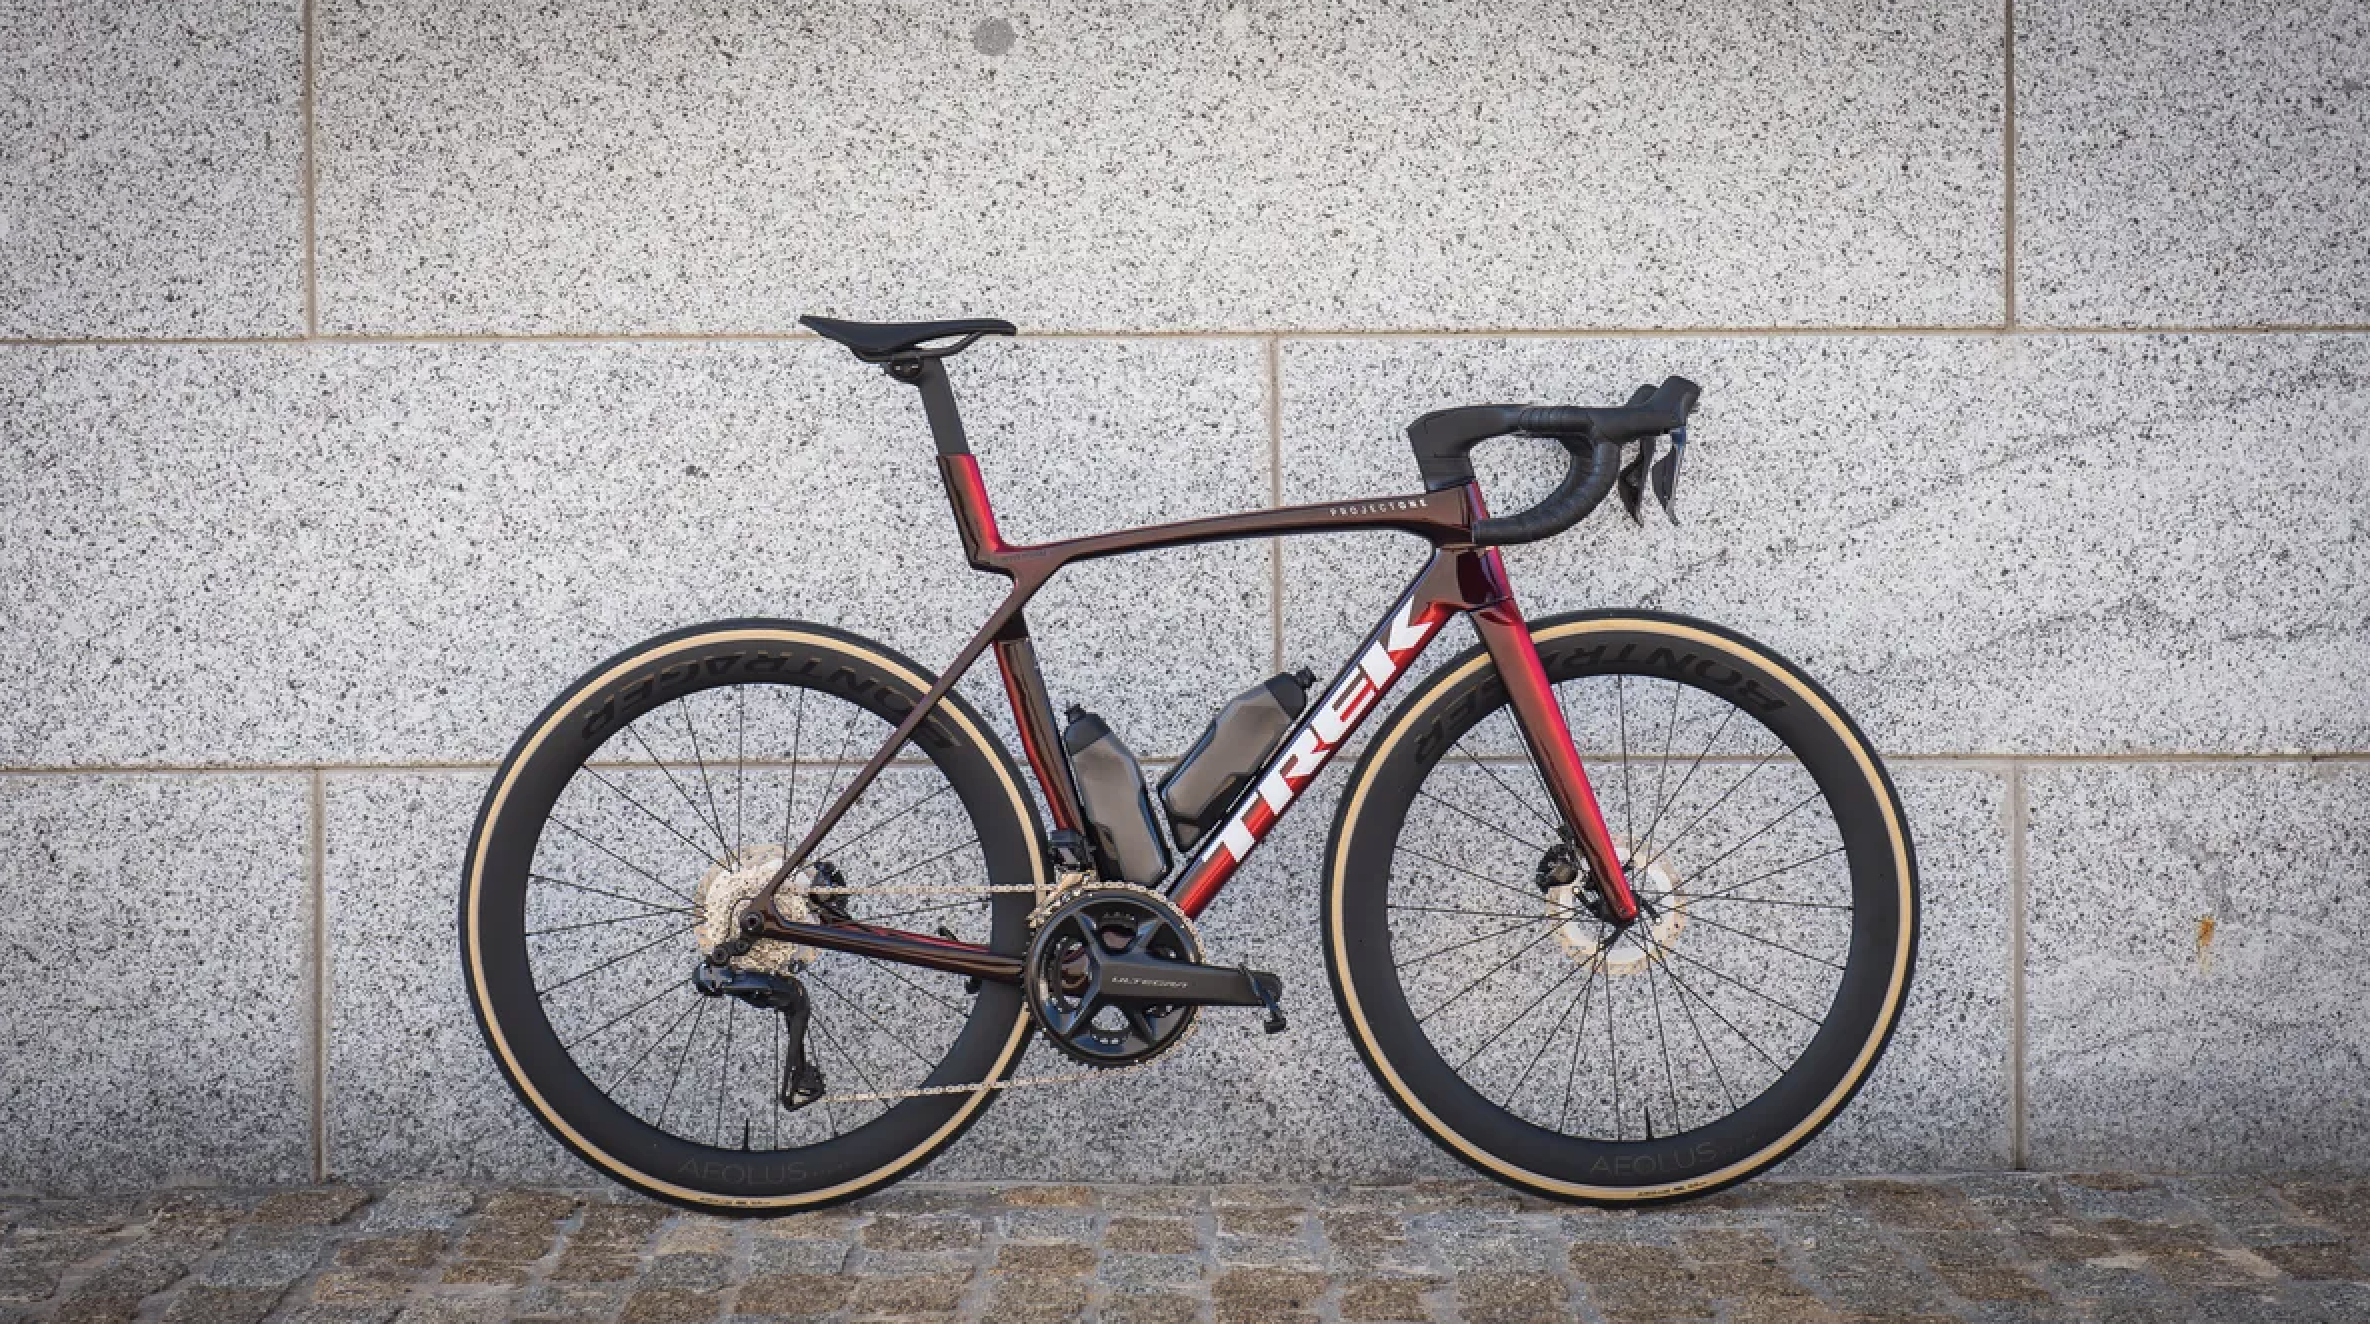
column 1065, row 884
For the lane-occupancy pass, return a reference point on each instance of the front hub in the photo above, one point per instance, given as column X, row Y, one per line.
column 1588, row 930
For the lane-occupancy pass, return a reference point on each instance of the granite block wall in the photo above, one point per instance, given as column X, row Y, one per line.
column 368, row 370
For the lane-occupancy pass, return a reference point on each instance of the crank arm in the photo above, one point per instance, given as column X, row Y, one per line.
column 1151, row 979
column 925, row 950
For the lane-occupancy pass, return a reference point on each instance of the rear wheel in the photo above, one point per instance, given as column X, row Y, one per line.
column 1543, row 1044
column 664, row 787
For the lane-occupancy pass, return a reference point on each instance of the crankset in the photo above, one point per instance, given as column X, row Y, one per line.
column 802, row 1081
column 1114, row 977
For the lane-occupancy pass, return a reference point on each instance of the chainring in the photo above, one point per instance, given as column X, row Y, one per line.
column 1063, row 980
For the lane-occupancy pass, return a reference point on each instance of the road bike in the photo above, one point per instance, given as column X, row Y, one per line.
column 1618, row 907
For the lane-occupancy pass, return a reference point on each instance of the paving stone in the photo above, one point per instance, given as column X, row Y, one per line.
column 1157, row 1235
column 1161, row 1308
column 259, row 1257
column 572, row 1301
column 1046, row 1224
column 1036, row 1299
column 1125, row 1272
column 1054, row 1260
column 795, row 1257
column 1245, row 1296
column 309, row 1207
column 1393, row 1298
column 668, row 1305
column 1510, row 1298
column 221, row 1305
column 941, row 1233
column 1041, row 1197
column 911, row 1294
column 400, row 1250
column 794, row 1294
column 417, row 1207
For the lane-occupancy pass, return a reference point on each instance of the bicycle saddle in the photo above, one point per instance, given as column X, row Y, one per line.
column 877, row 342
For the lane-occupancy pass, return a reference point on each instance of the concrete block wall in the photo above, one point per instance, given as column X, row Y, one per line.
column 368, row 370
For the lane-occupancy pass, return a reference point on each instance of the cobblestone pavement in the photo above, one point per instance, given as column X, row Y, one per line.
column 1993, row 1248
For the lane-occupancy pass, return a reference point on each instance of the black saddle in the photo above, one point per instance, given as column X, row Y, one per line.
column 879, row 342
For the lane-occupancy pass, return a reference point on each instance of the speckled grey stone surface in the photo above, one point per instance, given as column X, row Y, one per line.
column 412, row 1090
column 2154, row 1042
column 2036, row 545
column 604, row 167
column 2192, row 163
column 398, row 554
column 150, row 169
column 174, row 1049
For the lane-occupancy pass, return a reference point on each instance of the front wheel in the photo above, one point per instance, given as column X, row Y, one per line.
column 1690, row 1049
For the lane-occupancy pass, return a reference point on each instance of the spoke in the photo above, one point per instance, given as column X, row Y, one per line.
column 1612, row 1053
column 887, row 968
column 1548, row 1040
column 680, row 1058
column 1706, row 871
column 1629, row 808
column 1695, row 901
column 1726, row 978
column 880, row 882
column 1485, row 976
column 706, row 787
column 1670, row 1078
column 1662, row 768
column 1461, row 945
column 1533, row 895
column 579, row 834
column 669, row 935
column 740, row 764
column 598, row 923
column 1524, row 1014
column 1710, row 1006
column 1730, row 890
column 1681, row 835
column 723, row 1075
column 663, row 771
column 1689, row 1012
column 862, row 1011
column 1527, row 806
column 615, row 896
column 1681, row 789
column 797, row 733
column 871, row 1084
column 1552, row 917
column 943, row 788
column 676, row 832
column 847, row 736
column 1572, row 1068
column 1755, row 937
column 1470, row 816
column 667, row 985
column 663, row 1035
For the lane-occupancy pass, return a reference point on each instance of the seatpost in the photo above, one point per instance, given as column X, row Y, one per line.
column 975, row 520
column 938, row 400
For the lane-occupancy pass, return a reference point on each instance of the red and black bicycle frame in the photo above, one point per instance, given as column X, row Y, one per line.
column 1459, row 577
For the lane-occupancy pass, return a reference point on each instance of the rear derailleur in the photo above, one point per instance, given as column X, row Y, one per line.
column 802, row 1081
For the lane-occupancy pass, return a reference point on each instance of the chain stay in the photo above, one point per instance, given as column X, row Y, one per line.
column 1067, row 883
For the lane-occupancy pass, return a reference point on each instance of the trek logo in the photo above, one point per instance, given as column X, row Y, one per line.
column 1337, row 715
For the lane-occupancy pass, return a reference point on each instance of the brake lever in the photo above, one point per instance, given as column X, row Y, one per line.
column 1666, row 474
column 1632, row 482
